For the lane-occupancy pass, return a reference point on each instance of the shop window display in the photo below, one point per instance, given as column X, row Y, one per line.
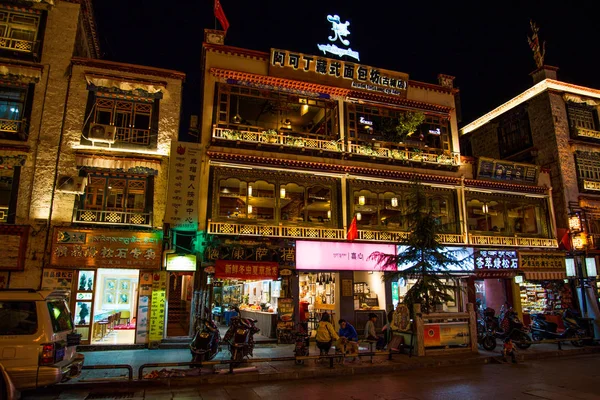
column 545, row 297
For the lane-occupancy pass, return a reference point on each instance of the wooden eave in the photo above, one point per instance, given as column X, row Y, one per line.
column 126, row 79
column 236, row 51
column 129, row 68
column 282, row 82
column 432, row 87
column 483, row 184
column 402, row 102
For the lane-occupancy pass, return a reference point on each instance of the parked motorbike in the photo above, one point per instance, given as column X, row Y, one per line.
column 302, row 343
column 542, row 329
column 240, row 337
column 507, row 325
column 205, row 345
column 485, row 335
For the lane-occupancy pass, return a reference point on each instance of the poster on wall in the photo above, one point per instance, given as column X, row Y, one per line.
column 141, row 333
column 56, row 279
column 157, row 313
column 446, row 334
column 285, row 309
column 184, row 182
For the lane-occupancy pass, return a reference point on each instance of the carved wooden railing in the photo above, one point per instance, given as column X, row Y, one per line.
column 415, row 155
column 113, row 217
column 512, row 241
column 277, row 139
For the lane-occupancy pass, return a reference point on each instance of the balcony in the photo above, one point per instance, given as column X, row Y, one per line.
column 25, row 46
column 591, row 185
column 11, row 129
column 512, row 241
column 273, row 138
column 100, row 217
column 3, row 214
column 415, row 155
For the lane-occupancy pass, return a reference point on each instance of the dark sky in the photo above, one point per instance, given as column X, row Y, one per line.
column 485, row 48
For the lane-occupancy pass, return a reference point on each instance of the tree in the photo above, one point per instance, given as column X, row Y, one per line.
column 423, row 257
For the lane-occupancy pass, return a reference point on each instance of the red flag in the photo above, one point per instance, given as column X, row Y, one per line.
column 353, row 231
column 564, row 240
column 220, row 15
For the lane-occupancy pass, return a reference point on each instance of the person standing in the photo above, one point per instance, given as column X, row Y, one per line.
column 371, row 334
column 325, row 334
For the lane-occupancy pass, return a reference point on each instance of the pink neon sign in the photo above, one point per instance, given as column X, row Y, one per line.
column 337, row 256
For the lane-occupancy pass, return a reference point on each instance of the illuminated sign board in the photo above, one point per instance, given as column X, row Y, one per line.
column 181, row 262
column 464, row 254
column 496, row 259
column 501, row 170
column 337, row 73
column 339, row 256
column 340, row 31
column 540, row 260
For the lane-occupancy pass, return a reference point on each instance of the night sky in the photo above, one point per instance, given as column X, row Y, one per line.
column 485, row 48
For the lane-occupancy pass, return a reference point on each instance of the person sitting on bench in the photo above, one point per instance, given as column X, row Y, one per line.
column 371, row 334
column 347, row 331
column 325, row 334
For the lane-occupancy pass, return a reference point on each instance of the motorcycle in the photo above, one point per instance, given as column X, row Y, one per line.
column 485, row 335
column 542, row 329
column 205, row 345
column 508, row 325
column 302, row 343
column 240, row 337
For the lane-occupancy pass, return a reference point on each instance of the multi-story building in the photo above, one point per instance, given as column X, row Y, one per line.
column 553, row 124
column 84, row 150
column 296, row 146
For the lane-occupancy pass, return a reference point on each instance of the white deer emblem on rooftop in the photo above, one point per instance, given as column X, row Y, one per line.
column 340, row 30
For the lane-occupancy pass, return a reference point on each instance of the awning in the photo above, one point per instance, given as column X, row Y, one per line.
column 125, row 164
column 545, row 275
column 125, row 84
column 30, row 73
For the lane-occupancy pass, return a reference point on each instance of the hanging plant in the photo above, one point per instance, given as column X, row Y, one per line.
column 408, row 124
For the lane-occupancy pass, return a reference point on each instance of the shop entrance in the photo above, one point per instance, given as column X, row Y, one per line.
column 114, row 304
column 179, row 303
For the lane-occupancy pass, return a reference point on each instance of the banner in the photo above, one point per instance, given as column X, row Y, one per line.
column 158, row 306
column 184, row 182
column 446, row 334
column 78, row 248
column 343, row 256
column 250, row 270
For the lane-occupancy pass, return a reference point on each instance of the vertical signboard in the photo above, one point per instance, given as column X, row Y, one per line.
column 157, row 313
column 184, row 180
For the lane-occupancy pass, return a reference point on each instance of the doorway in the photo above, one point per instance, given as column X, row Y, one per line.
column 180, row 292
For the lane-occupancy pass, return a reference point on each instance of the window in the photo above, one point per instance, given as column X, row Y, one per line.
column 249, row 109
column 514, row 132
column 290, row 203
column 388, row 208
column 7, row 197
column 132, row 118
column 115, row 194
column 60, row 316
column 588, row 170
column 13, row 104
column 19, row 30
column 18, row 318
column 581, row 116
column 507, row 216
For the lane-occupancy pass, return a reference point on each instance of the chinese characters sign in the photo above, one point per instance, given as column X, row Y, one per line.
column 507, row 171
column 106, row 249
column 283, row 255
column 496, row 259
column 56, row 279
column 338, row 73
column 157, row 310
column 345, row 256
column 538, row 261
column 246, row 270
column 184, row 181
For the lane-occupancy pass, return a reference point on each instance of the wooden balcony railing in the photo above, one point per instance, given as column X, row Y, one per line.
column 591, row 185
column 415, row 155
column 3, row 214
column 304, row 232
column 10, row 125
column 113, row 217
column 26, row 46
column 587, row 133
column 277, row 139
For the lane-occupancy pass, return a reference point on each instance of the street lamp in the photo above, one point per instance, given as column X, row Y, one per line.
column 577, row 267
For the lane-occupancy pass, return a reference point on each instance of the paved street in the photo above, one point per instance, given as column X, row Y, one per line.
column 558, row 378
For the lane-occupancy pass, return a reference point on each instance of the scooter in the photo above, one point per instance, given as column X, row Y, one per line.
column 508, row 325
column 542, row 329
column 302, row 343
column 240, row 337
column 205, row 345
column 485, row 335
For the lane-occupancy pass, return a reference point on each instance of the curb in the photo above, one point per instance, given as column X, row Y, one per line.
column 308, row 371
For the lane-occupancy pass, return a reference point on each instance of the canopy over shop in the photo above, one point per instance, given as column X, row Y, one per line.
column 110, row 274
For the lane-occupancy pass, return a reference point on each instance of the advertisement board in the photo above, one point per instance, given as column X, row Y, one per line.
column 446, row 334
column 339, row 256
column 463, row 254
column 246, row 270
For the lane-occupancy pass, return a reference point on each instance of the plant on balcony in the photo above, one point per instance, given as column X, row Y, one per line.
column 298, row 142
column 408, row 124
column 417, row 155
column 232, row 134
column 423, row 258
column 333, row 145
column 367, row 150
column 270, row 136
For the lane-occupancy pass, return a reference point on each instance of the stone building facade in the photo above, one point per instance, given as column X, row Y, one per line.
column 84, row 150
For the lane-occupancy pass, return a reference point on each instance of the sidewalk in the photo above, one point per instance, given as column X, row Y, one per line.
column 284, row 370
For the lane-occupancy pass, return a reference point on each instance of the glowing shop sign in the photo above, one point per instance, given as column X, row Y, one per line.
column 339, row 256
column 436, row 131
column 365, row 121
column 464, row 254
column 340, row 31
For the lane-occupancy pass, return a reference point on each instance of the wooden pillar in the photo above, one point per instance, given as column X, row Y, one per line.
column 472, row 327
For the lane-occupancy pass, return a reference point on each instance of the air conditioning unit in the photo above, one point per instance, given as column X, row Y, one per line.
column 102, row 133
column 71, row 184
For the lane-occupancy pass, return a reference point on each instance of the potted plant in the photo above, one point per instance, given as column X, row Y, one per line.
column 408, row 124
column 270, row 136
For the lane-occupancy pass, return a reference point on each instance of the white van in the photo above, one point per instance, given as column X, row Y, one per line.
column 37, row 340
